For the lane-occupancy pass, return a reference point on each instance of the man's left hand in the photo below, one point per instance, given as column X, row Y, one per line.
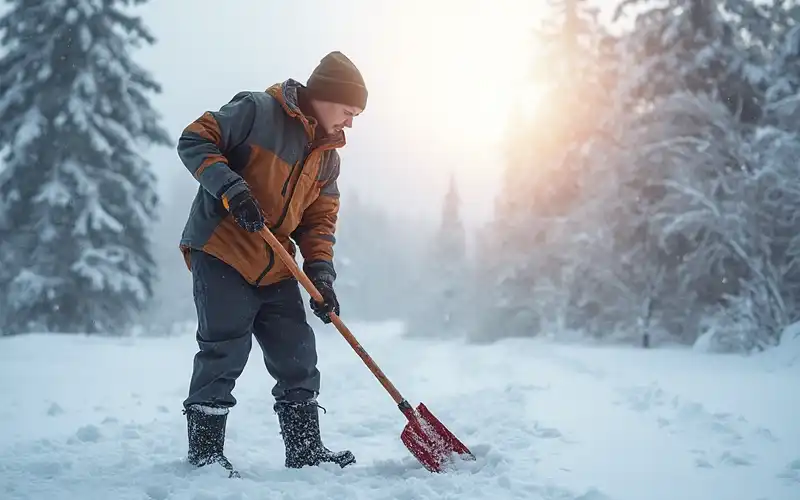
column 330, row 302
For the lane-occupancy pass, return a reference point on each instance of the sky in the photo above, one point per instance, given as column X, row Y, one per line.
column 442, row 77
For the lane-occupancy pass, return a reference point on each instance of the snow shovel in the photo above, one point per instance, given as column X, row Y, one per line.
column 424, row 435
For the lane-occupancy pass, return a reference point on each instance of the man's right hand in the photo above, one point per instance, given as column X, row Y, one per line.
column 246, row 212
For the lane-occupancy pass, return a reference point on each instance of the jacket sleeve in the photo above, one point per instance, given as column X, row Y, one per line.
column 204, row 143
column 316, row 233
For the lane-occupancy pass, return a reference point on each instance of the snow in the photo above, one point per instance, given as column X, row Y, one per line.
column 111, row 268
column 30, row 128
column 54, row 193
column 28, row 285
column 90, row 417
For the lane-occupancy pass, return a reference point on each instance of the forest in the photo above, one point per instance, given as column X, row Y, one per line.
column 657, row 201
column 651, row 200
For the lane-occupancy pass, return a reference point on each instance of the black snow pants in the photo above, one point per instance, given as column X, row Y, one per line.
column 230, row 312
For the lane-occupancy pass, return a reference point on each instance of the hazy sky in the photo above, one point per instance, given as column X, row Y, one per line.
column 441, row 75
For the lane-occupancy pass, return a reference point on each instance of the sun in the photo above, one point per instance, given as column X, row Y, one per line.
column 472, row 63
column 450, row 81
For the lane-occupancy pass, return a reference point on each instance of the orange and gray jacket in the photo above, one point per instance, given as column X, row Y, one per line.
column 262, row 141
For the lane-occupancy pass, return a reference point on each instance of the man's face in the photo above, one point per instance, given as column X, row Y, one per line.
column 334, row 117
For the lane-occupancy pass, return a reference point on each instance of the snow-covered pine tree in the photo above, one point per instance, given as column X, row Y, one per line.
column 442, row 305
column 783, row 93
column 77, row 191
column 716, row 47
column 450, row 254
column 716, row 177
column 776, row 147
column 617, row 274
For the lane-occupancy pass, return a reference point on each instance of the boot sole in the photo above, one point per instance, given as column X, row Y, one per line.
column 342, row 459
column 345, row 459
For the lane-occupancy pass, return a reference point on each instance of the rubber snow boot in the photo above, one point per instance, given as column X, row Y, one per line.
column 299, row 422
column 206, row 429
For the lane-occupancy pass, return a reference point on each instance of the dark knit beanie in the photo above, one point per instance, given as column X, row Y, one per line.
column 336, row 79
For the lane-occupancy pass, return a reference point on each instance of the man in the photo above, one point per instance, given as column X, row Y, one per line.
column 265, row 159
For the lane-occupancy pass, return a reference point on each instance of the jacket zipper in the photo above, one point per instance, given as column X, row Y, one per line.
column 285, row 210
column 271, row 254
column 288, row 177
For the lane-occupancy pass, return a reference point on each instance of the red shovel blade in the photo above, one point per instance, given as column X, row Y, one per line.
column 430, row 441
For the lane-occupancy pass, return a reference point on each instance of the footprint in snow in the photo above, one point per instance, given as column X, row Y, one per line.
column 680, row 416
column 178, row 467
column 131, row 431
column 765, row 434
column 552, row 492
column 725, row 431
column 702, row 463
column 55, row 410
column 642, row 399
column 593, row 494
column 88, row 434
column 534, row 387
column 701, row 459
column 43, row 446
column 728, row 458
column 791, row 472
column 545, row 432
column 157, row 492
column 48, row 469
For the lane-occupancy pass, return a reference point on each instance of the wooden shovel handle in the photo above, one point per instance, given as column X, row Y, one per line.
column 287, row 259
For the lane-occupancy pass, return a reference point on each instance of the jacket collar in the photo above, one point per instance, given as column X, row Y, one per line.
column 286, row 94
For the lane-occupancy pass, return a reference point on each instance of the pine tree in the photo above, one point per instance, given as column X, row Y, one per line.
column 716, row 47
column 783, row 92
column 701, row 84
column 653, row 192
column 78, row 194
column 450, row 247
column 445, row 281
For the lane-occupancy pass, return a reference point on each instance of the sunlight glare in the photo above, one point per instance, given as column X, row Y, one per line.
column 469, row 61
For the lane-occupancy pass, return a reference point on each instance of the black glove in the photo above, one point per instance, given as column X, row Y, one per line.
column 330, row 302
column 246, row 212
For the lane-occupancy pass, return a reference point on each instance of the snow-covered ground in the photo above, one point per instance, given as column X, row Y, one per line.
column 94, row 418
